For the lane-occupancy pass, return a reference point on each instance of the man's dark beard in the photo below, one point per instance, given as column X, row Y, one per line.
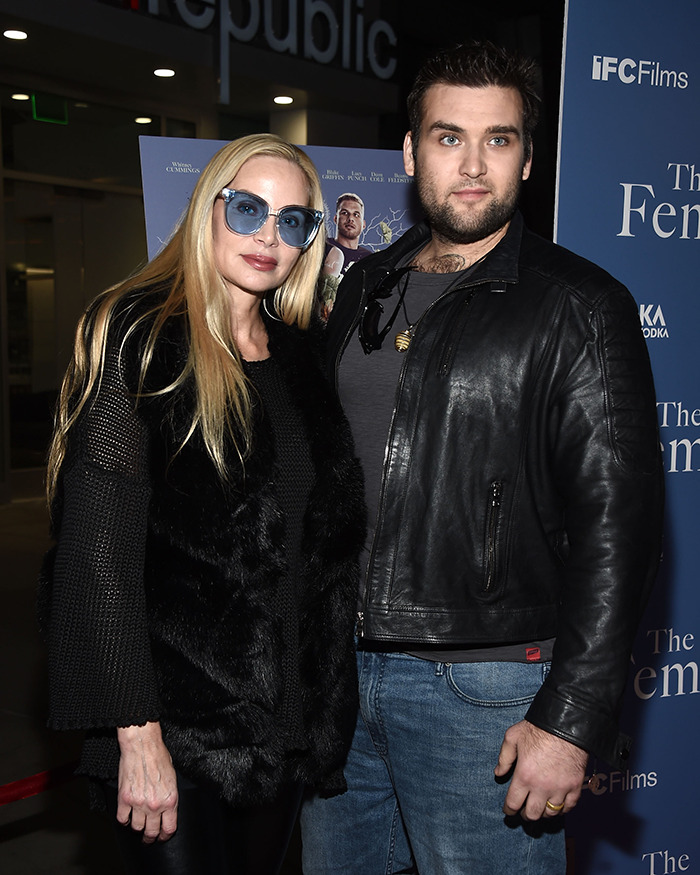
column 448, row 225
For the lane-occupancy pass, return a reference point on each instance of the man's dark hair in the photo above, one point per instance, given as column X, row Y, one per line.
column 477, row 65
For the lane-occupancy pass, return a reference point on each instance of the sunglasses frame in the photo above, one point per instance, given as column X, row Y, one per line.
column 227, row 195
column 371, row 338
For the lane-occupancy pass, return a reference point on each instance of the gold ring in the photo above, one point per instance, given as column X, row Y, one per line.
column 553, row 807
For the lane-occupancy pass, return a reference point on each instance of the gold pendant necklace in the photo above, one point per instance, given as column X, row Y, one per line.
column 403, row 339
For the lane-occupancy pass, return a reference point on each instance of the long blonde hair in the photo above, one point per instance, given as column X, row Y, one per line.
column 196, row 290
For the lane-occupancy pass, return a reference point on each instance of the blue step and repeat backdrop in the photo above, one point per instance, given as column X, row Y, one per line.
column 629, row 199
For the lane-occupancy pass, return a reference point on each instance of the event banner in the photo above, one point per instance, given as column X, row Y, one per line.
column 629, row 199
column 372, row 180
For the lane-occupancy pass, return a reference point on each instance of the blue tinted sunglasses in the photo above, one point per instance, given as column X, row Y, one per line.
column 246, row 213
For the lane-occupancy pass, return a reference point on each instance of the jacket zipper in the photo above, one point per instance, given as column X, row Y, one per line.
column 382, row 489
column 495, row 495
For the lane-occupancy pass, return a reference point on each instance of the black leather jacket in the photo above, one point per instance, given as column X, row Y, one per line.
column 522, row 490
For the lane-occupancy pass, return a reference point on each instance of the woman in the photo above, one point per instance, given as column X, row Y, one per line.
column 208, row 515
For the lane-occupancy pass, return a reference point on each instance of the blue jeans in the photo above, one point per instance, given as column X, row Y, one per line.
column 422, row 794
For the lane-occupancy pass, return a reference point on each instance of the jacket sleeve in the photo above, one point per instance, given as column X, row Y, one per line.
column 607, row 464
column 100, row 668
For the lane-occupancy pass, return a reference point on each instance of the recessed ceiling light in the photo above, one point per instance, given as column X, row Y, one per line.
column 15, row 34
column 20, row 96
column 283, row 99
column 143, row 120
column 164, row 72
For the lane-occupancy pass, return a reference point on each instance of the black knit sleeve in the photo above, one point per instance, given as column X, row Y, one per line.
column 100, row 667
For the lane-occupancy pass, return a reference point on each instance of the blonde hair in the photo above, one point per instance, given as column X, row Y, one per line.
column 196, row 291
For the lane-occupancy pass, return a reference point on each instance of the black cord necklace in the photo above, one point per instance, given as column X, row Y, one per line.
column 403, row 339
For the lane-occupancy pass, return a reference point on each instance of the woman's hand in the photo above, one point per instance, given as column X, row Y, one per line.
column 147, row 784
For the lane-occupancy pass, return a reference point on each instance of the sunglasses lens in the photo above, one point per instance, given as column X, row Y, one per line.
column 246, row 213
column 297, row 226
column 369, row 326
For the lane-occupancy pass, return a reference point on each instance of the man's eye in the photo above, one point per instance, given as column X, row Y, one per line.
column 449, row 140
column 499, row 141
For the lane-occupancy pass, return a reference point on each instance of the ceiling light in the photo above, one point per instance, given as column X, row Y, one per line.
column 164, row 72
column 284, row 100
column 15, row 34
column 20, row 96
column 143, row 120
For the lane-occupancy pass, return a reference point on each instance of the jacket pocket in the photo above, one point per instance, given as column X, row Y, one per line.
column 493, row 530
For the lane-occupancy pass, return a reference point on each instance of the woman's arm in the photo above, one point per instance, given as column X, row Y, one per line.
column 100, row 666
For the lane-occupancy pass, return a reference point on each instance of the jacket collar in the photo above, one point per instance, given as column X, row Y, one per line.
column 501, row 263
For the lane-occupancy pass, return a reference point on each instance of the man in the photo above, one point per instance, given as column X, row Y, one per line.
column 502, row 402
column 343, row 250
column 350, row 223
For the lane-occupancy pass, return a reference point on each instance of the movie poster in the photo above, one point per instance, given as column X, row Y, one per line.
column 368, row 198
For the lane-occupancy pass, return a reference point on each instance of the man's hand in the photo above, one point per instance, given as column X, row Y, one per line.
column 147, row 783
column 547, row 769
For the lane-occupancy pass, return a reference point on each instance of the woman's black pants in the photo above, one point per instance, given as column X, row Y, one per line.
column 212, row 838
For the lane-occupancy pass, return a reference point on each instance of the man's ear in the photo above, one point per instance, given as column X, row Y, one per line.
column 527, row 167
column 408, row 160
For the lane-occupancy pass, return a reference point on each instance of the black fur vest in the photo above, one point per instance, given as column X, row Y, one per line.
column 214, row 558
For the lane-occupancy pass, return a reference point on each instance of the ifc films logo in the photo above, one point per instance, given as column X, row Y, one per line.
column 630, row 72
